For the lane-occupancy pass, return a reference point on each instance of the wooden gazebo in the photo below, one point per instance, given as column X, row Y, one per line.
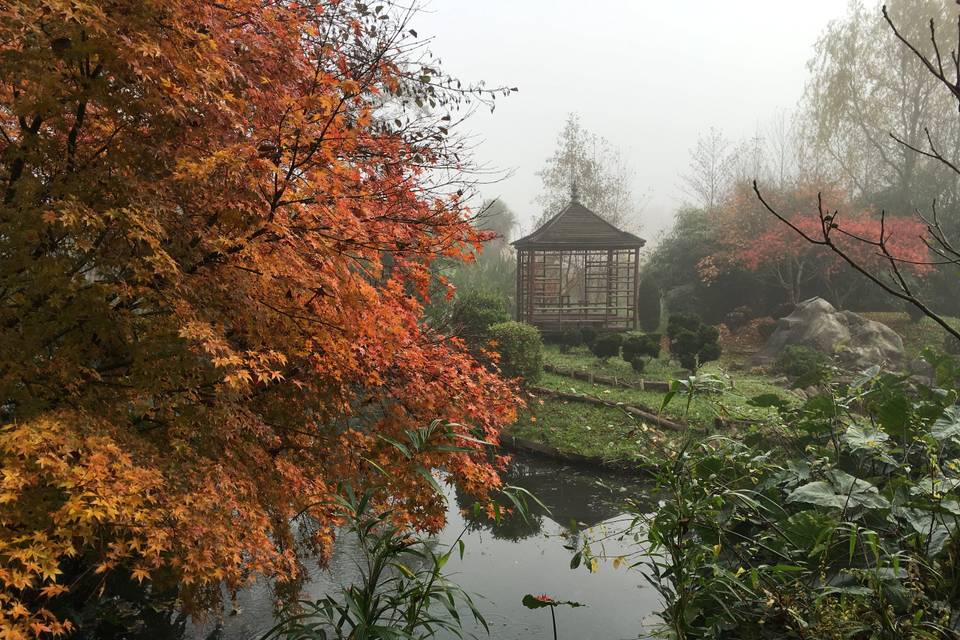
column 578, row 270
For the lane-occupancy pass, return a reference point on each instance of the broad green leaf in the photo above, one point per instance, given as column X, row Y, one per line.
column 948, row 425
column 839, row 491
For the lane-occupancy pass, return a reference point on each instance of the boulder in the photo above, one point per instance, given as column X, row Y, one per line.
column 853, row 341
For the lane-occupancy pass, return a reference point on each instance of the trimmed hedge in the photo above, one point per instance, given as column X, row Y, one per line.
column 520, row 349
column 588, row 334
column 474, row 312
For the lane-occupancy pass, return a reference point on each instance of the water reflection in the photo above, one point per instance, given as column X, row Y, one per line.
column 504, row 561
column 577, row 497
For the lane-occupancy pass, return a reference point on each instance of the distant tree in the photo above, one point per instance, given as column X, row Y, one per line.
column 674, row 260
column 600, row 172
column 648, row 304
column 706, row 181
column 864, row 89
column 491, row 268
column 874, row 254
column 500, row 221
column 748, row 238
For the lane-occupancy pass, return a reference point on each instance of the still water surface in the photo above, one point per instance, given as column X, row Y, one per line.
column 503, row 562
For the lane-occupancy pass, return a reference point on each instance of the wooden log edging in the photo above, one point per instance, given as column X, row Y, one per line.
column 593, row 378
column 641, row 412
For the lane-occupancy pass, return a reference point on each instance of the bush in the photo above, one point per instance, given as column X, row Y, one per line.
column 848, row 489
column 951, row 345
column 551, row 337
column 737, row 318
column 474, row 312
column 783, row 310
column 648, row 304
column 805, row 366
column 692, row 343
column 569, row 339
column 588, row 334
column 636, row 345
column 766, row 327
column 520, row 349
column 606, row 345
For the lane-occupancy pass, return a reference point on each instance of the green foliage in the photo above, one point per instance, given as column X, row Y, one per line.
column 804, row 365
column 402, row 592
column 648, row 304
column 766, row 327
column 951, row 345
column 520, row 349
column 847, row 526
column 606, row 345
column 636, row 345
column 569, row 339
column 589, row 334
column 474, row 312
column 736, row 318
column 692, row 343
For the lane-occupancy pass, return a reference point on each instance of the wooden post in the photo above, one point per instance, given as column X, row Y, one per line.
column 518, row 296
column 606, row 311
column 636, row 286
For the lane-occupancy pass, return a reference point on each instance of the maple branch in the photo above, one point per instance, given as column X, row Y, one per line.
column 827, row 225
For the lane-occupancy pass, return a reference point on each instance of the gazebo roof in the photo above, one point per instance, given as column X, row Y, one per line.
column 576, row 227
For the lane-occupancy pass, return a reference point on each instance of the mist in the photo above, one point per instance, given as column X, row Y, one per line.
column 650, row 77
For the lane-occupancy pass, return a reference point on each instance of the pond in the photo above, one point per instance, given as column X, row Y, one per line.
column 505, row 561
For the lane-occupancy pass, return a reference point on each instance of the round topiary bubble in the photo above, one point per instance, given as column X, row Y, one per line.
column 692, row 343
column 638, row 344
column 520, row 349
column 606, row 345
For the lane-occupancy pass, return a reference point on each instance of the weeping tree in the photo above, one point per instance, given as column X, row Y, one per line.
column 925, row 50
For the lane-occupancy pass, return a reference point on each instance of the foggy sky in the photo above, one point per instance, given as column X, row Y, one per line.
column 647, row 75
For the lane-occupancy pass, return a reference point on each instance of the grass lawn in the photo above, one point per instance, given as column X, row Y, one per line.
column 731, row 404
column 748, row 382
column 612, row 434
column 603, row 432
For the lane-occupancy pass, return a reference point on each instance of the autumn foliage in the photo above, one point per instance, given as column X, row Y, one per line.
column 746, row 236
column 216, row 229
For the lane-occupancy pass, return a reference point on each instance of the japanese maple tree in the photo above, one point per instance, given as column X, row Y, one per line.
column 216, row 229
column 747, row 237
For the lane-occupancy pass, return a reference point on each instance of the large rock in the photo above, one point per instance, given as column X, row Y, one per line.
column 855, row 342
